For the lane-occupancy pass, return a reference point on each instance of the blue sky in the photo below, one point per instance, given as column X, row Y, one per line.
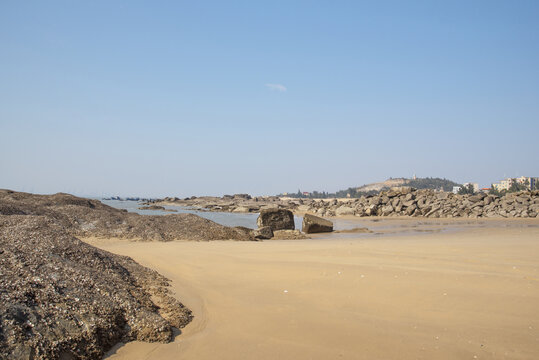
column 191, row 98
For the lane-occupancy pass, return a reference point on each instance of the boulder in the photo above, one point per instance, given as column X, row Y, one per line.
column 276, row 219
column 408, row 203
column 387, row 210
column 288, row 235
column 411, row 209
column 264, row 232
column 314, row 224
column 478, row 197
column 344, row 210
column 372, row 210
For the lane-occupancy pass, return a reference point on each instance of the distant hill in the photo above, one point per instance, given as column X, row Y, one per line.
column 375, row 188
column 432, row 183
column 379, row 186
column 418, row 183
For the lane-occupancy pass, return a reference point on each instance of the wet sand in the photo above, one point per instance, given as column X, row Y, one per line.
column 471, row 294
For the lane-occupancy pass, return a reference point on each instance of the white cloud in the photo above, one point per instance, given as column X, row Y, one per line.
column 276, row 87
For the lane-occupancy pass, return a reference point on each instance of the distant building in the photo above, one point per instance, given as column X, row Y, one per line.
column 503, row 184
column 474, row 185
column 456, row 189
column 528, row 181
column 306, row 193
column 506, row 184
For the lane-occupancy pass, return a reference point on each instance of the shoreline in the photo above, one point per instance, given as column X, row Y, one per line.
column 236, row 291
column 396, row 201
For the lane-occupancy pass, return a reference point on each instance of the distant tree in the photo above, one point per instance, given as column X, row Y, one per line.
column 432, row 183
column 515, row 187
column 494, row 191
column 468, row 189
column 418, row 183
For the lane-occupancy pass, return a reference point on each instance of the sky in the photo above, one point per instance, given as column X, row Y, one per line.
column 181, row 98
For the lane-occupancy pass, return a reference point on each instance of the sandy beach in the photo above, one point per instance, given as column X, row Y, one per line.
column 469, row 294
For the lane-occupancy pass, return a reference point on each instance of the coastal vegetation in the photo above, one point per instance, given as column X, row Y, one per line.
column 432, row 183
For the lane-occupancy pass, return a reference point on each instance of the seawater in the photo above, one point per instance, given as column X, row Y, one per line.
column 223, row 218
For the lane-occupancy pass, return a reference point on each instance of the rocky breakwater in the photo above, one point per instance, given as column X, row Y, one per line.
column 406, row 201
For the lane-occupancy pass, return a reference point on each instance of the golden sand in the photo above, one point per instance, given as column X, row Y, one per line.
column 472, row 294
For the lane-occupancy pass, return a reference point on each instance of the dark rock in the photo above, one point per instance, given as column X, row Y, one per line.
column 314, row 224
column 277, row 219
column 152, row 207
column 63, row 298
column 263, row 233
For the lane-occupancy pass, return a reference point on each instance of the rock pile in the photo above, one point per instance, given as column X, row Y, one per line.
column 64, row 299
column 398, row 201
column 406, row 201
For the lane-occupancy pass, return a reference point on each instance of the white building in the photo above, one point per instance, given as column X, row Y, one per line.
column 456, row 189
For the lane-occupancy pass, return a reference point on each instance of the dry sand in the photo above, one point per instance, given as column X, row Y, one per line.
column 472, row 294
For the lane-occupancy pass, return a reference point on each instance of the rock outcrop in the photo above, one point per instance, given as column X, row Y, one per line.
column 90, row 218
column 276, row 219
column 64, row 299
column 314, row 224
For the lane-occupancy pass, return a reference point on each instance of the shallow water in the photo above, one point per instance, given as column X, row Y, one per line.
column 376, row 227
column 224, row 218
